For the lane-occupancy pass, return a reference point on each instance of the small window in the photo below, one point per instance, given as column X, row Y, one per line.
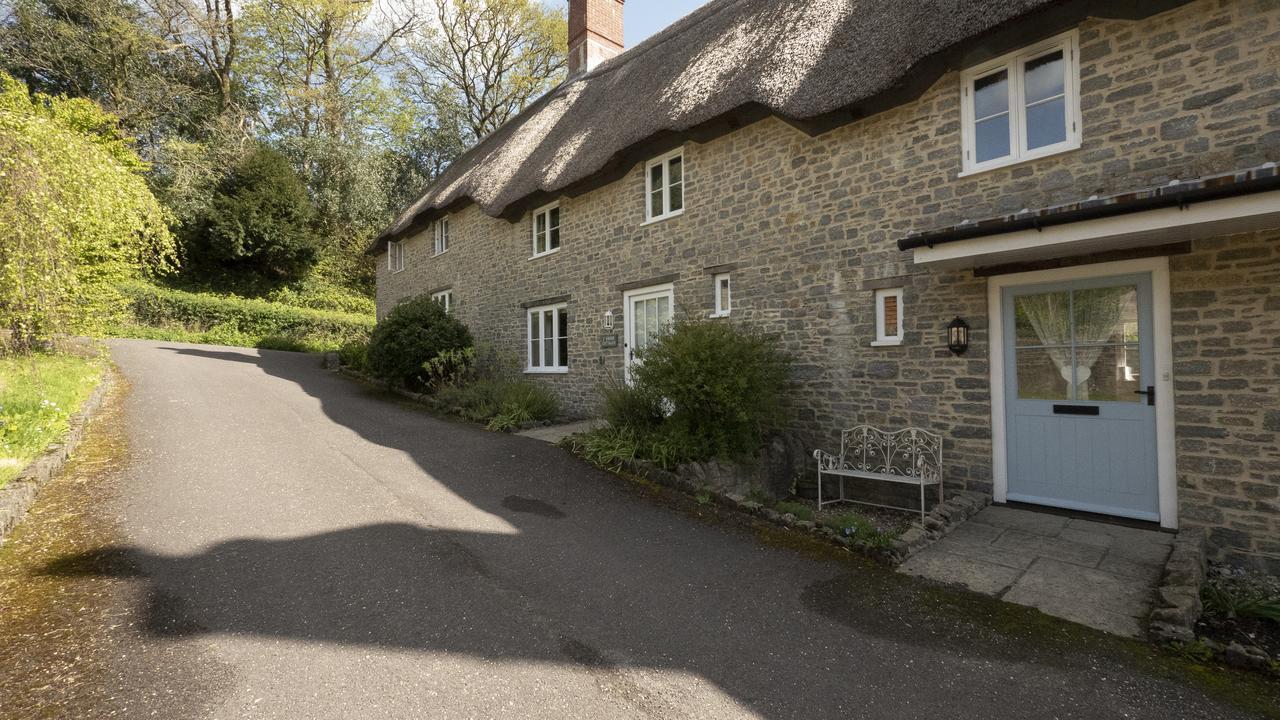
column 548, row 339
column 445, row 298
column 395, row 256
column 888, row 317
column 724, row 296
column 1021, row 106
column 442, row 235
column 546, row 230
column 664, row 186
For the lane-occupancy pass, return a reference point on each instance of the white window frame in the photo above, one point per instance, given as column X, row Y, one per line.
column 395, row 256
column 716, row 280
column 559, row 365
column 445, row 298
column 533, row 229
column 441, row 234
column 1014, row 64
column 665, row 162
column 883, row 339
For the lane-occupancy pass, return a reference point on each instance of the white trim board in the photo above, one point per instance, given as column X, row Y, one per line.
column 1162, row 333
column 1245, row 213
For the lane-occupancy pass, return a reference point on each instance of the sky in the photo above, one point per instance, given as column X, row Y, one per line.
column 646, row 17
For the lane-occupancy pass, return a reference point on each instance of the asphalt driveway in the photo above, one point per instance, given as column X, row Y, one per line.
column 301, row 546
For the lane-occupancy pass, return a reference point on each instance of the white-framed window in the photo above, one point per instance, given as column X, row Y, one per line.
column 395, row 256
column 442, row 234
column 664, row 186
column 546, row 230
column 548, row 339
column 724, row 295
column 1022, row 106
column 445, row 298
column 888, row 317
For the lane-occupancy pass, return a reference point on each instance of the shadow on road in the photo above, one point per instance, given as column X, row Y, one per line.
column 597, row 577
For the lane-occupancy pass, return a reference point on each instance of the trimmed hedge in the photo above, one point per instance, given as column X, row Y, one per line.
column 162, row 313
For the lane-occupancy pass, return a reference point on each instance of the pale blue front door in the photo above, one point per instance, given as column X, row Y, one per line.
column 1079, row 402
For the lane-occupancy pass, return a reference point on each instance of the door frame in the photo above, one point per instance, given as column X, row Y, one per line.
column 1162, row 339
column 669, row 289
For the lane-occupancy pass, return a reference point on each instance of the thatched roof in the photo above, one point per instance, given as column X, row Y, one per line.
column 815, row 63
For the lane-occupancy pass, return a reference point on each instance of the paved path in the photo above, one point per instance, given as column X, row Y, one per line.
column 298, row 546
column 1099, row 574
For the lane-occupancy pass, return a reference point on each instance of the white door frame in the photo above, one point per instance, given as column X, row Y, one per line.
column 1162, row 332
column 669, row 289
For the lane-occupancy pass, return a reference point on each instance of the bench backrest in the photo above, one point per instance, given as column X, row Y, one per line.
column 906, row 453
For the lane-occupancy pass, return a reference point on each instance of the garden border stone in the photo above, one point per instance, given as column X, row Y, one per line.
column 1178, row 605
column 17, row 497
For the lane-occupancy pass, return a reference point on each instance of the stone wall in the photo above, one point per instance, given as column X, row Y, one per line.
column 810, row 224
column 1226, row 345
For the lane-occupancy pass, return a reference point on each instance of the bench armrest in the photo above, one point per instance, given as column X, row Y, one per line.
column 826, row 461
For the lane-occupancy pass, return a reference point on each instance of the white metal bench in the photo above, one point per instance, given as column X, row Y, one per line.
column 912, row 456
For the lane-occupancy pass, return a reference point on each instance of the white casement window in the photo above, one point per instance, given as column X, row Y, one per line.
column 724, row 296
column 546, row 230
column 888, row 317
column 1022, row 106
column 664, row 187
column 548, row 339
column 445, row 298
column 442, row 235
column 395, row 256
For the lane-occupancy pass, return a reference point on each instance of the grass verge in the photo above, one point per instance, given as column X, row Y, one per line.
column 38, row 395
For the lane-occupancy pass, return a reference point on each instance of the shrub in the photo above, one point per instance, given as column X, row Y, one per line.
column 630, row 406
column 607, row 447
column 799, row 509
column 414, row 333
column 354, row 355
column 167, row 314
column 723, row 385
column 451, row 367
column 501, row 405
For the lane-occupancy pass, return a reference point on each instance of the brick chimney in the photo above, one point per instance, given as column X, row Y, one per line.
column 595, row 33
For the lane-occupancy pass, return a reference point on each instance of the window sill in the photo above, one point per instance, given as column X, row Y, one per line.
column 436, row 255
column 1039, row 154
column 886, row 343
column 546, row 371
column 660, row 218
column 719, row 315
column 397, row 272
column 535, row 256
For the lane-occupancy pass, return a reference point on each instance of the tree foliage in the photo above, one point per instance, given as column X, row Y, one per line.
column 410, row 336
column 76, row 215
column 257, row 227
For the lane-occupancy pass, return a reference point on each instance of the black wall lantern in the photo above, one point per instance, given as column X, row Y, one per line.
column 958, row 336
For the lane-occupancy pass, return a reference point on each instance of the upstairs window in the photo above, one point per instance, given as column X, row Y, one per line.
column 724, row 297
column 546, row 230
column 548, row 339
column 442, row 235
column 395, row 257
column 445, row 298
column 1022, row 106
column 664, row 186
column 888, row 317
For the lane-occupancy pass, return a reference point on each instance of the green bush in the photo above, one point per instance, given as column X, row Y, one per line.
column 501, row 405
column 414, row 333
column 318, row 295
column 451, row 367
column 723, row 385
column 607, row 447
column 801, row 510
column 355, row 355
column 629, row 406
column 167, row 314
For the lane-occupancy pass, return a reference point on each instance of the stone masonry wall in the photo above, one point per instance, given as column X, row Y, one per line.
column 811, row 225
column 1226, row 345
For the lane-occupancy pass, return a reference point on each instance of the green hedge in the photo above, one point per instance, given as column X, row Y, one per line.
column 163, row 313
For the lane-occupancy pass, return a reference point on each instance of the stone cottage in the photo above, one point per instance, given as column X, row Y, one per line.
column 1087, row 189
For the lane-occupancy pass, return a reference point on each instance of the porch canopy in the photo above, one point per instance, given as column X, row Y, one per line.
column 1181, row 211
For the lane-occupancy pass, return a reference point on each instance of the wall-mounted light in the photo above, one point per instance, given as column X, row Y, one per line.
column 608, row 319
column 958, row 336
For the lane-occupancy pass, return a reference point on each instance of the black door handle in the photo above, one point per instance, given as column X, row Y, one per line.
column 1150, row 392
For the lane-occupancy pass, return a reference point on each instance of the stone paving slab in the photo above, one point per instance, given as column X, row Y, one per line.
column 1090, row 572
column 555, row 433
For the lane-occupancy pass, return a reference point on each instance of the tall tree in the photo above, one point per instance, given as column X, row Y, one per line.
column 207, row 29
column 489, row 58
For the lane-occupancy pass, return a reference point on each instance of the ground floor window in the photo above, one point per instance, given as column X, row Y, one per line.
column 445, row 298
column 888, row 317
column 548, row 339
column 724, row 299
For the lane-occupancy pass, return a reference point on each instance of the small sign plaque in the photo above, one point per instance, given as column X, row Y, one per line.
column 609, row 341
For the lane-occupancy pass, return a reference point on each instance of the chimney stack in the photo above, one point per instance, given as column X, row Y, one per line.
column 595, row 33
